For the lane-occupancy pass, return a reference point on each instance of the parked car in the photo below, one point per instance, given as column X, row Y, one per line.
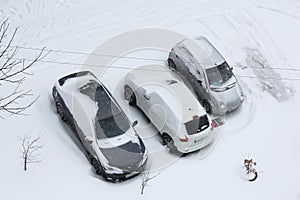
column 110, row 141
column 171, row 107
column 208, row 73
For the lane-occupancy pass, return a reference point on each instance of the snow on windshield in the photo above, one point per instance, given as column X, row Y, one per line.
column 218, row 75
column 110, row 121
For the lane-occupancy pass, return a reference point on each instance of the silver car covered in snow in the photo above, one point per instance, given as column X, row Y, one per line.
column 208, row 73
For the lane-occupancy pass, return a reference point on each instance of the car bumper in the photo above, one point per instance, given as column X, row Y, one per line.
column 229, row 108
column 194, row 146
column 119, row 177
column 232, row 107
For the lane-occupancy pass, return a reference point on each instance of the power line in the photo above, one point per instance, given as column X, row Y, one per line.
column 138, row 58
column 266, row 68
column 89, row 65
column 83, row 53
column 148, row 70
column 269, row 78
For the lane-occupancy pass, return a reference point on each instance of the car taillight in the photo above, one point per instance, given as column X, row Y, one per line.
column 184, row 139
column 212, row 125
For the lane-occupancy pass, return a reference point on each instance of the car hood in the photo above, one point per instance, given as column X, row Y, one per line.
column 231, row 94
column 126, row 157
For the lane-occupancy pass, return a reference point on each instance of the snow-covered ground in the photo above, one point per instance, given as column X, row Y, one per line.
column 249, row 33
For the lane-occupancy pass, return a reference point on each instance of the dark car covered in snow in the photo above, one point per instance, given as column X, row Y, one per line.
column 109, row 139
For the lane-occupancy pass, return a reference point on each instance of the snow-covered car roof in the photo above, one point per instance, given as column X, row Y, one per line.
column 172, row 90
column 203, row 51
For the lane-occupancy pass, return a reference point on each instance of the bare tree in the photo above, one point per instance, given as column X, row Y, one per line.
column 13, row 72
column 30, row 150
column 145, row 179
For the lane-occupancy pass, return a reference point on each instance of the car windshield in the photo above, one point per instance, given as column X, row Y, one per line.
column 112, row 126
column 110, row 120
column 218, row 75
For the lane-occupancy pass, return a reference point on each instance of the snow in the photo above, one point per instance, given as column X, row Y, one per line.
column 263, row 128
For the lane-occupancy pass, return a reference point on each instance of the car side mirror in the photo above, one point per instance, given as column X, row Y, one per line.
column 89, row 139
column 231, row 68
column 199, row 81
column 146, row 95
column 134, row 123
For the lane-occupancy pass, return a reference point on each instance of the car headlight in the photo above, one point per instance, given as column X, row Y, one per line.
column 145, row 158
column 222, row 106
column 242, row 97
column 111, row 169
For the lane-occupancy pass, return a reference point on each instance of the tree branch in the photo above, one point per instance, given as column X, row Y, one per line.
column 14, row 72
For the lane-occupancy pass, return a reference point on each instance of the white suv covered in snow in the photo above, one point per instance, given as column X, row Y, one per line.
column 171, row 107
column 208, row 73
column 105, row 133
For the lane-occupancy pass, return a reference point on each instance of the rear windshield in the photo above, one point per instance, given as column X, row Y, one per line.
column 197, row 125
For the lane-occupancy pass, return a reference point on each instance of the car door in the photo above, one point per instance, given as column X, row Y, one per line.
column 202, row 85
column 143, row 99
column 158, row 112
column 191, row 72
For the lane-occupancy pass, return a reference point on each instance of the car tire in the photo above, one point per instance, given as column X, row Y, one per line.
column 172, row 65
column 207, row 107
column 60, row 111
column 97, row 166
column 129, row 96
column 99, row 169
column 169, row 142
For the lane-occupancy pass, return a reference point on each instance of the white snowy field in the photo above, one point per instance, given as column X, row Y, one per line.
column 247, row 32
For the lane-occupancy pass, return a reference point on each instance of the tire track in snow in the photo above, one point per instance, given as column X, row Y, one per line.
column 213, row 33
column 224, row 17
column 208, row 28
column 27, row 2
column 281, row 12
column 275, row 87
column 256, row 32
column 40, row 7
column 272, row 41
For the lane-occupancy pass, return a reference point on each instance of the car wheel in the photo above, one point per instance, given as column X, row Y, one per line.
column 167, row 140
column 207, row 107
column 97, row 167
column 130, row 96
column 60, row 111
column 171, row 64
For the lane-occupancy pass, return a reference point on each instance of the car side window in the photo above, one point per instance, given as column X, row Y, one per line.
column 201, row 77
column 188, row 59
column 185, row 55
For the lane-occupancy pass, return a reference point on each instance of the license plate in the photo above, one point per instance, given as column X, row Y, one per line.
column 200, row 140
